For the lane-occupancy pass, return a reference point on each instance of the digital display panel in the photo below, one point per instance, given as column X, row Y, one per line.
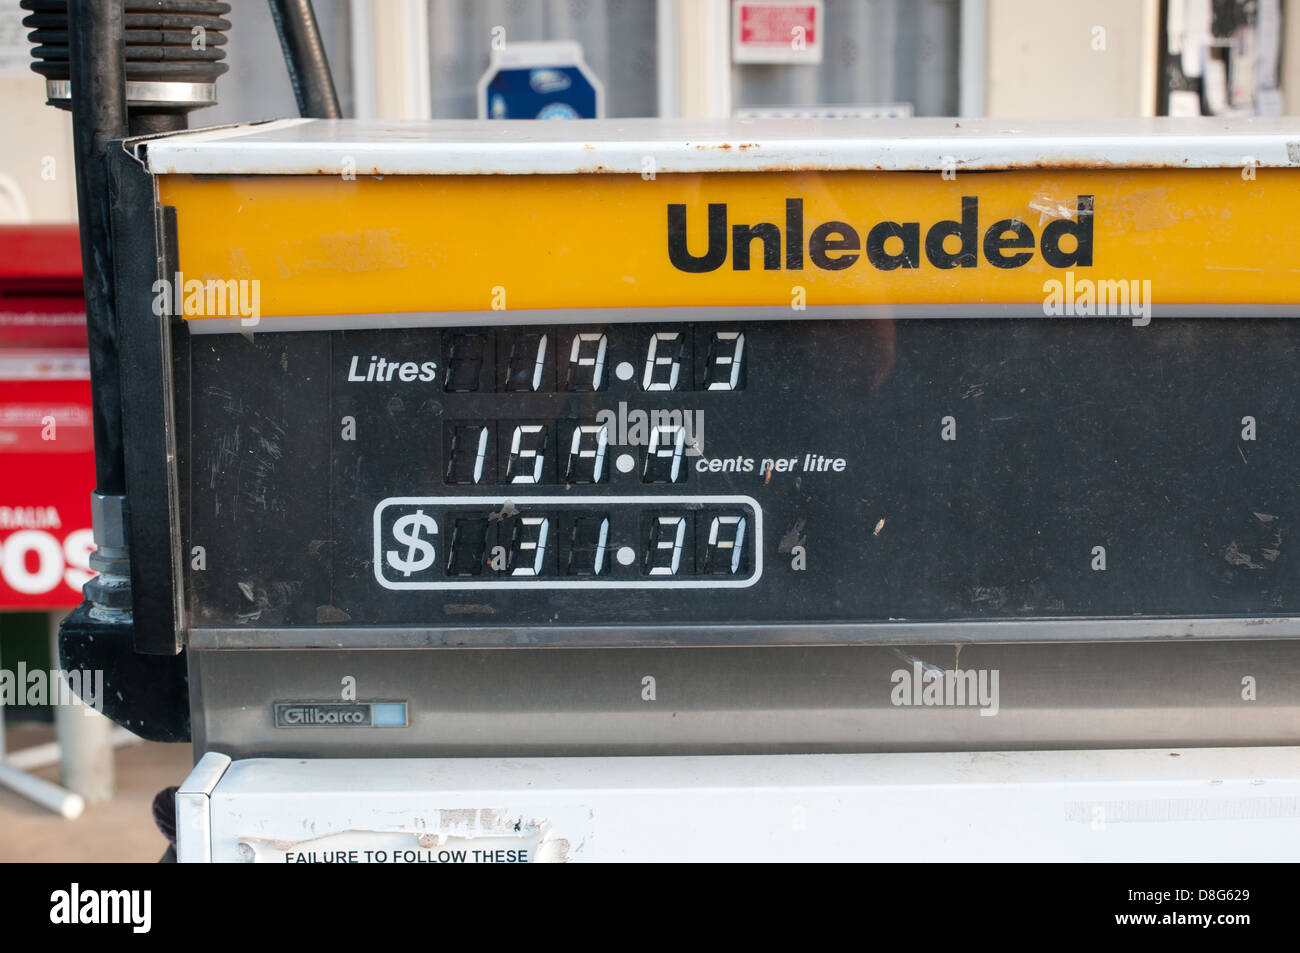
column 567, row 542
column 795, row 473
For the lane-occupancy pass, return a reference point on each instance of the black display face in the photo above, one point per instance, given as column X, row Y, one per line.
column 790, row 473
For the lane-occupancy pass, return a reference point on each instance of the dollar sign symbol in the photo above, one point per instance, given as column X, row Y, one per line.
column 409, row 530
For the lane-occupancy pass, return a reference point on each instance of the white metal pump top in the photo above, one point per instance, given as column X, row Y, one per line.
column 497, row 147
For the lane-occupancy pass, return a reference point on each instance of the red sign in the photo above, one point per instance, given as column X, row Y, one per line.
column 47, row 462
column 768, row 31
column 777, row 23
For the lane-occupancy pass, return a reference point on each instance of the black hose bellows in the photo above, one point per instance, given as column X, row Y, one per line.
column 173, row 51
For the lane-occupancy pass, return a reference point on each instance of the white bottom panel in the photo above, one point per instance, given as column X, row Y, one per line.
column 1197, row 804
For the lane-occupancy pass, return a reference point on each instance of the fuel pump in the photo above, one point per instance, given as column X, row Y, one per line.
column 700, row 464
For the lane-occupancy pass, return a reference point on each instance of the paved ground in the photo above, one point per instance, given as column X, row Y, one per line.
column 120, row 830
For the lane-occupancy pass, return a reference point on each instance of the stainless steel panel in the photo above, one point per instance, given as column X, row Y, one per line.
column 755, row 700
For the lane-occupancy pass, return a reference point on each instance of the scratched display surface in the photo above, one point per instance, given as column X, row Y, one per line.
column 780, row 472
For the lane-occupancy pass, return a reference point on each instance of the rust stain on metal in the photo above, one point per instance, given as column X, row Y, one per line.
column 1095, row 163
